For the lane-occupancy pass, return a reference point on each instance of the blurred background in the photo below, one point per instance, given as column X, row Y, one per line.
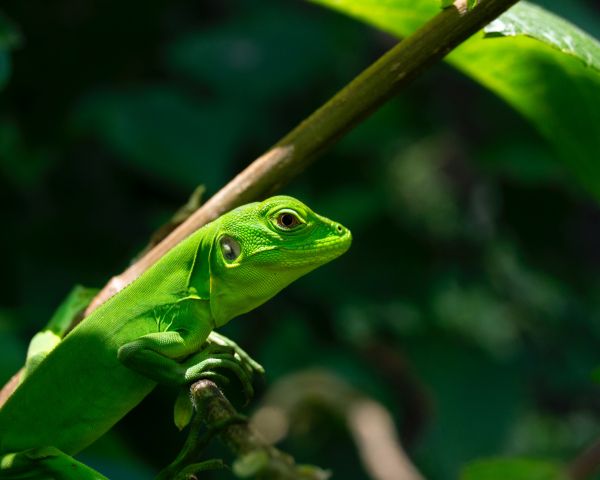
column 466, row 313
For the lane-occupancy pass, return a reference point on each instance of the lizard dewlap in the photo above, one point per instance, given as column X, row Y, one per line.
column 159, row 329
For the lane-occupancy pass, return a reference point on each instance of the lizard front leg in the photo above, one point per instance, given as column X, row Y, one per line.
column 158, row 357
column 180, row 354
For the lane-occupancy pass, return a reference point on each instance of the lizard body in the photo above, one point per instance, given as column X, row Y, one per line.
column 156, row 329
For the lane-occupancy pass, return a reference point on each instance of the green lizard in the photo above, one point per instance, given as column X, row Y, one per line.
column 159, row 329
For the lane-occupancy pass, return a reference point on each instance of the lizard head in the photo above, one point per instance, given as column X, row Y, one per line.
column 260, row 248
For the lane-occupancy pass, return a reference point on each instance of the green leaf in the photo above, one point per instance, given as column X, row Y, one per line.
column 183, row 410
column 545, row 67
column 535, row 22
column 513, row 469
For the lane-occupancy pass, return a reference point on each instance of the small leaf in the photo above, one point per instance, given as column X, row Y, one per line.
column 535, row 22
column 183, row 409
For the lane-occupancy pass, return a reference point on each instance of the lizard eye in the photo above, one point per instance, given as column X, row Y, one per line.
column 231, row 248
column 288, row 220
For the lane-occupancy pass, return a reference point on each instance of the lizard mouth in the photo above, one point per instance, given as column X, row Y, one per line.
column 319, row 252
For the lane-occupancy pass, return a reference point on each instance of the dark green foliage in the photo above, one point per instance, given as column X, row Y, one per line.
column 468, row 304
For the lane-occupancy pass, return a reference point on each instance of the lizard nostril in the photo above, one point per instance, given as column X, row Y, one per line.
column 339, row 228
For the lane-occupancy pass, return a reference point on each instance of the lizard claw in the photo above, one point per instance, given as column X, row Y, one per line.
column 203, row 364
column 242, row 356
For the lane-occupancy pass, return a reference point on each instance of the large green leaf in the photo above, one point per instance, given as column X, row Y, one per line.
column 545, row 67
column 513, row 469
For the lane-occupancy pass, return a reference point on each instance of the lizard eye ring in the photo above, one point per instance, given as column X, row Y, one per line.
column 230, row 248
column 288, row 220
